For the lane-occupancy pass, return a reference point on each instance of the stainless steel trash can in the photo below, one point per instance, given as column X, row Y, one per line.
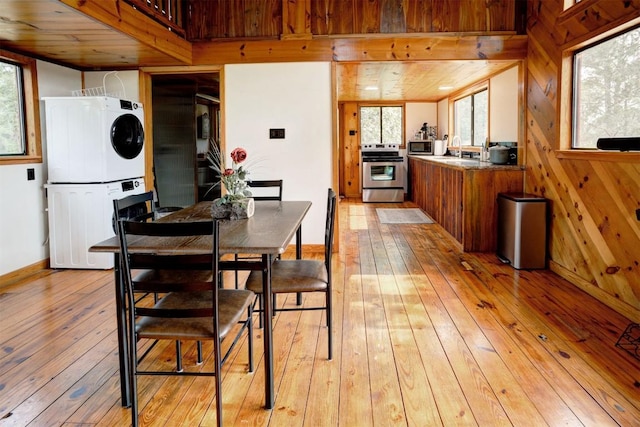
column 522, row 230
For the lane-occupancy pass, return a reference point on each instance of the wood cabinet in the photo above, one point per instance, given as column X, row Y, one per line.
column 463, row 199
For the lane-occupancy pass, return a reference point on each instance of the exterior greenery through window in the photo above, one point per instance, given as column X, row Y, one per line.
column 19, row 110
column 12, row 125
column 381, row 125
column 471, row 118
column 606, row 90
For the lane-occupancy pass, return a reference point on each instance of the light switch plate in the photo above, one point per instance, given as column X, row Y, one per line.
column 276, row 133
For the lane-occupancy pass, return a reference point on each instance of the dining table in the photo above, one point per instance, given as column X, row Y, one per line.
column 268, row 233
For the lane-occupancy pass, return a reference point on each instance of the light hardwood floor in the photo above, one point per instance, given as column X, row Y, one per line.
column 424, row 335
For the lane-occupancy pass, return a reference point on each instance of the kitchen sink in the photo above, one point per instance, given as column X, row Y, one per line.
column 457, row 160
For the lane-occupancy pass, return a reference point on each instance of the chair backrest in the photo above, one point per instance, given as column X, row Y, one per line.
column 329, row 227
column 160, row 262
column 137, row 207
column 275, row 184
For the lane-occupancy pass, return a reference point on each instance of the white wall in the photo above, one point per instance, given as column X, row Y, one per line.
column 503, row 106
column 443, row 118
column 296, row 97
column 23, row 216
column 120, row 84
column 418, row 113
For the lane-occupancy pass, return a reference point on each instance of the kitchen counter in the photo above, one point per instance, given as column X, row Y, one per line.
column 464, row 163
column 461, row 195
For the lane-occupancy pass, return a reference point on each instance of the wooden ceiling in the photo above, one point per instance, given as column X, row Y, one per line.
column 64, row 34
column 55, row 32
column 411, row 81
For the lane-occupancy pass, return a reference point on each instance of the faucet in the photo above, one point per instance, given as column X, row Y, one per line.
column 456, row 141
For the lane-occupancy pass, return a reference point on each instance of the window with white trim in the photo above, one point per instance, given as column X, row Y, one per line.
column 471, row 118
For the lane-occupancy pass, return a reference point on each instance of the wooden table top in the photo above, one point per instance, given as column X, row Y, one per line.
column 268, row 231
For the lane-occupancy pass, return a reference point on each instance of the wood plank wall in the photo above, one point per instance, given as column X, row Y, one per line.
column 214, row 19
column 594, row 235
column 350, row 173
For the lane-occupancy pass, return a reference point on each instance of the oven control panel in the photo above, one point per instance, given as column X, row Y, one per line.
column 380, row 147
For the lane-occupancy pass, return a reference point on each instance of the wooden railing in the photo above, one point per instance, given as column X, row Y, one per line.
column 167, row 12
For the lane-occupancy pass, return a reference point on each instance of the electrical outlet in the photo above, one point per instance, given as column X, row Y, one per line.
column 276, row 133
column 31, row 174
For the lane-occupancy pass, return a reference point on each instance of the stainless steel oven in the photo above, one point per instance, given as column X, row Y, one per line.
column 382, row 174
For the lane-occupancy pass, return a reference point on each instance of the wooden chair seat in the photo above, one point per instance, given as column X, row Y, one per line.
column 289, row 276
column 232, row 303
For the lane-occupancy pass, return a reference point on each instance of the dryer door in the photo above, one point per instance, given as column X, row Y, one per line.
column 127, row 136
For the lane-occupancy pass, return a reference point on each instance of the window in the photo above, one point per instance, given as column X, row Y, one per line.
column 381, row 125
column 19, row 112
column 12, row 136
column 606, row 90
column 471, row 118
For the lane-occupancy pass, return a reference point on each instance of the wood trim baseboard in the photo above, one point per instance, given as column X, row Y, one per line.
column 626, row 310
column 24, row 272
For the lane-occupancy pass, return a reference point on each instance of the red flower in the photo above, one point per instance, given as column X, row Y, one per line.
column 228, row 172
column 238, row 155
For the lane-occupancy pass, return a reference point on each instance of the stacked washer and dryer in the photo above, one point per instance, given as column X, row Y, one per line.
column 95, row 154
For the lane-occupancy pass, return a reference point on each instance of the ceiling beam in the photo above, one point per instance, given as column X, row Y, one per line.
column 423, row 47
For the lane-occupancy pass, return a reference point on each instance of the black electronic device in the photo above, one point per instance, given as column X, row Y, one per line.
column 619, row 144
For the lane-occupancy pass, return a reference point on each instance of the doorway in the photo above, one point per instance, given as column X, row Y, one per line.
column 185, row 120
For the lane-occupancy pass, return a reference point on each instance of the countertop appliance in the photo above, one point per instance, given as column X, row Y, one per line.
column 423, row 146
column 382, row 173
column 95, row 154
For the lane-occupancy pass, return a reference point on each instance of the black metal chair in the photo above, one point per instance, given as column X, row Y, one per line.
column 273, row 192
column 302, row 275
column 272, row 183
column 137, row 207
column 141, row 207
column 188, row 310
